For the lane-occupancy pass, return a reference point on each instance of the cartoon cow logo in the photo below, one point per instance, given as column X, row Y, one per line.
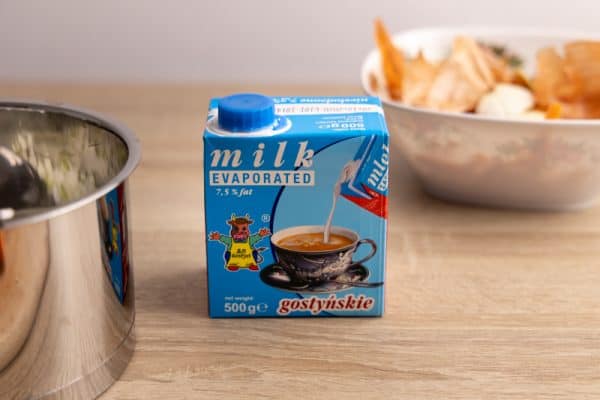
column 240, row 246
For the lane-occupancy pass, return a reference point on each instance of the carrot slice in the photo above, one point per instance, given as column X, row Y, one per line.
column 554, row 111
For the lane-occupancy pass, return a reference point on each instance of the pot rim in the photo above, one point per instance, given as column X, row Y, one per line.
column 121, row 131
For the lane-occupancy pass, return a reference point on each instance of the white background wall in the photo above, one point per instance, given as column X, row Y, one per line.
column 237, row 40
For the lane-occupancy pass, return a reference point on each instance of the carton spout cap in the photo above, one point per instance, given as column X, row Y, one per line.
column 246, row 112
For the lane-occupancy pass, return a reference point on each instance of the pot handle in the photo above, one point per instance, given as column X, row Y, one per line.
column 369, row 256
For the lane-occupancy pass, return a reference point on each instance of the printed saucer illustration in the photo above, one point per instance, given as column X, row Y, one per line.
column 356, row 276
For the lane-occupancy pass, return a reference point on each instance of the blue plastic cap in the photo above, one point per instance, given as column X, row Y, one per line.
column 246, row 112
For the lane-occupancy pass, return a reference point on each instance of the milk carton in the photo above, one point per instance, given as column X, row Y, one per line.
column 296, row 206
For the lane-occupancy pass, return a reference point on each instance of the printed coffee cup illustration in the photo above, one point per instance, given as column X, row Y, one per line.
column 319, row 258
column 305, row 257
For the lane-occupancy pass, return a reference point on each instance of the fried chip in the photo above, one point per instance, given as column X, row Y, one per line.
column 392, row 61
column 582, row 109
column 462, row 79
column 549, row 75
column 571, row 83
column 583, row 57
column 554, row 81
column 519, row 78
column 501, row 70
column 592, row 109
column 418, row 77
column 453, row 90
column 468, row 47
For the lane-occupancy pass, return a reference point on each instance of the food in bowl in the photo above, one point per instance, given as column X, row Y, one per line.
column 490, row 158
column 478, row 77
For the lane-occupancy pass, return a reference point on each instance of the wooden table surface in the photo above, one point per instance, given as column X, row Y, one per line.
column 480, row 303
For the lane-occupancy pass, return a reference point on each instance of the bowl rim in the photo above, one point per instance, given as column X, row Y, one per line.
column 475, row 30
column 91, row 117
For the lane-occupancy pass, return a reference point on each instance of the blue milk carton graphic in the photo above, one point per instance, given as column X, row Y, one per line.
column 296, row 206
column 113, row 235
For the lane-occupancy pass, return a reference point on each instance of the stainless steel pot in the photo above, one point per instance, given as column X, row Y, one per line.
column 66, row 282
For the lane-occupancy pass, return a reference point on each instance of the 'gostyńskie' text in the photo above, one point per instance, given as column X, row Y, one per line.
column 316, row 305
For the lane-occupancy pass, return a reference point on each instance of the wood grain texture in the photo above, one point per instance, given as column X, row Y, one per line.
column 481, row 304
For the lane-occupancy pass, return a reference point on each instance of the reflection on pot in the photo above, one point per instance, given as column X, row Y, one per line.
column 113, row 236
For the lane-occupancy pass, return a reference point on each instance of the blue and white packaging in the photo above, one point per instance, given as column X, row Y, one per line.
column 296, row 206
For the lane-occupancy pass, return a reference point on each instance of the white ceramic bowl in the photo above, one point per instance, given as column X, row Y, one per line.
column 545, row 165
